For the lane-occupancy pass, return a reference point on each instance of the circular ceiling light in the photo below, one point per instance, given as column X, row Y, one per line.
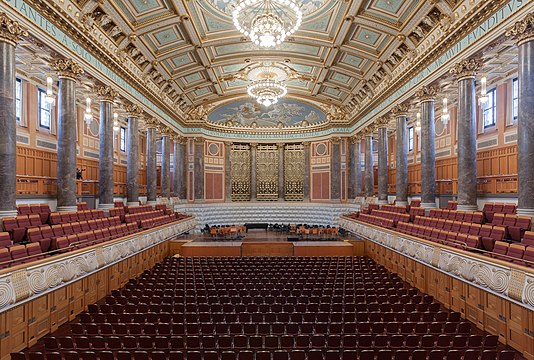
column 267, row 22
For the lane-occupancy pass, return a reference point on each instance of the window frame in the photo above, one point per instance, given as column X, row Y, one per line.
column 48, row 108
column 122, row 139
column 411, row 138
column 492, row 96
column 18, row 99
column 515, row 109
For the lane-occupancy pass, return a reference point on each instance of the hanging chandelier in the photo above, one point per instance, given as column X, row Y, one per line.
column 267, row 92
column 267, row 22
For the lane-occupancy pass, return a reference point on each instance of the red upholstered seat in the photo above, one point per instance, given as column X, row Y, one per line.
column 500, row 250
column 5, row 258
column 522, row 224
column 5, row 240
column 516, row 252
column 15, row 231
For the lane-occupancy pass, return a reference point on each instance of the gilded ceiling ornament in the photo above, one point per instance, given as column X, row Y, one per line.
column 152, row 123
column 88, row 21
column 334, row 113
column 382, row 122
column 427, row 93
column 523, row 30
column 200, row 112
column 335, row 140
column 67, row 68
column 400, row 110
column 106, row 93
column 445, row 22
column 10, row 30
column 466, row 68
column 134, row 110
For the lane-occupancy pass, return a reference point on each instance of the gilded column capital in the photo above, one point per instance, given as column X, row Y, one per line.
column 466, row 69
column 400, row 110
column 253, row 145
column 306, row 143
column 281, row 145
column 151, row 123
column 228, row 143
column 335, row 140
column 356, row 138
column 10, row 30
column 67, row 68
column 381, row 122
column 165, row 131
column 427, row 93
column 368, row 131
column 199, row 139
column 522, row 30
column 106, row 93
column 133, row 110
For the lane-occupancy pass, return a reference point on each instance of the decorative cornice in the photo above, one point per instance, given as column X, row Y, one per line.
column 106, row 93
column 466, row 68
column 427, row 93
column 523, row 30
column 10, row 30
column 400, row 110
column 67, row 68
column 133, row 110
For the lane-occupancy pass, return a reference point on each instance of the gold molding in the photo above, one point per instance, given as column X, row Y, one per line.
column 466, row 69
column 106, row 93
column 522, row 30
column 427, row 93
column 67, row 68
column 10, row 30
column 400, row 110
column 133, row 110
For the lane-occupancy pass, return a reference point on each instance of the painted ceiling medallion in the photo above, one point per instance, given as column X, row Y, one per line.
column 267, row 22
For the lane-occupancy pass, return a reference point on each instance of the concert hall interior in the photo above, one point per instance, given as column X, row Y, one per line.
column 266, row 179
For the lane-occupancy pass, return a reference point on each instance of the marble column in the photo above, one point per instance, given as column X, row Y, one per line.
column 253, row 190
column 132, row 166
column 68, row 71
column 306, row 186
column 151, row 169
column 368, row 176
column 176, row 175
column 335, row 163
column 228, row 171
column 10, row 33
column 281, row 191
column 427, row 95
column 401, row 153
column 383, row 162
column 199, row 169
column 357, row 167
column 465, row 71
column 105, row 164
column 165, row 164
column 523, row 32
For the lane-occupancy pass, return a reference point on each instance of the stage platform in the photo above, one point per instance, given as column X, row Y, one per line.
column 268, row 248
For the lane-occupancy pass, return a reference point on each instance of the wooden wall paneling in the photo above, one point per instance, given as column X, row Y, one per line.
column 17, row 327
column 474, row 306
column 76, row 299
column 4, row 340
column 114, row 277
column 432, row 282
column 39, row 318
column 495, row 316
column 102, row 284
column 59, row 310
column 529, row 335
column 443, row 289
column 91, row 289
column 420, row 276
column 518, row 327
column 458, row 295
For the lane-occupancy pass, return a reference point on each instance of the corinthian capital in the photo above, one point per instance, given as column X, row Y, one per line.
column 427, row 93
column 67, row 68
column 10, row 30
column 134, row 110
column 400, row 110
column 466, row 68
column 151, row 123
column 523, row 30
column 106, row 93
column 381, row 122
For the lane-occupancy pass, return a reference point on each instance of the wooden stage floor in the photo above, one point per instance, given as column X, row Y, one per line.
column 266, row 243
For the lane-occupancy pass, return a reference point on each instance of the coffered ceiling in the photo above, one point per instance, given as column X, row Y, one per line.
column 191, row 49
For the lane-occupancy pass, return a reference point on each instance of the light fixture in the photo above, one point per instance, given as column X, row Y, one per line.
column 115, row 122
column 88, row 115
column 483, row 98
column 418, row 122
column 445, row 113
column 49, row 98
column 267, row 22
column 267, row 92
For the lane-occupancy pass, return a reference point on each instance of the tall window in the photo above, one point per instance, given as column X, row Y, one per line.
column 410, row 138
column 45, row 115
column 18, row 98
column 515, row 98
column 490, row 111
column 123, row 139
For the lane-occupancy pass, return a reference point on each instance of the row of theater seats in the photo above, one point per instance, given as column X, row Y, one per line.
column 43, row 210
column 490, row 209
column 469, row 216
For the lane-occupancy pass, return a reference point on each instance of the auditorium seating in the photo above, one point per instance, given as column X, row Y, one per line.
column 490, row 209
column 43, row 210
column 469, row 216
column 261, row 308
column 82, row 206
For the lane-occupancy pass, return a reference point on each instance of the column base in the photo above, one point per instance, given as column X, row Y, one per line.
column 382, row 202
column 132, row 203
column 401, row 203
column 467, row 207
column 62, row 209
column 151, row 202
column 525, row 212
column 106, row 206
column 8, row 213
column 428, row 205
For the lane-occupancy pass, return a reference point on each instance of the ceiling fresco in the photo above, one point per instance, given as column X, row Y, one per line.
column 286, row 112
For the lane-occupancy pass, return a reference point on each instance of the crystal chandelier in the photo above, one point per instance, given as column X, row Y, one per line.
column 267, row 92
column 267, row 22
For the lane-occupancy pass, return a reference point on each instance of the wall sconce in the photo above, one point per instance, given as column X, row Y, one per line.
column 418, row 122
column 445, row 114
column 88, row 115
